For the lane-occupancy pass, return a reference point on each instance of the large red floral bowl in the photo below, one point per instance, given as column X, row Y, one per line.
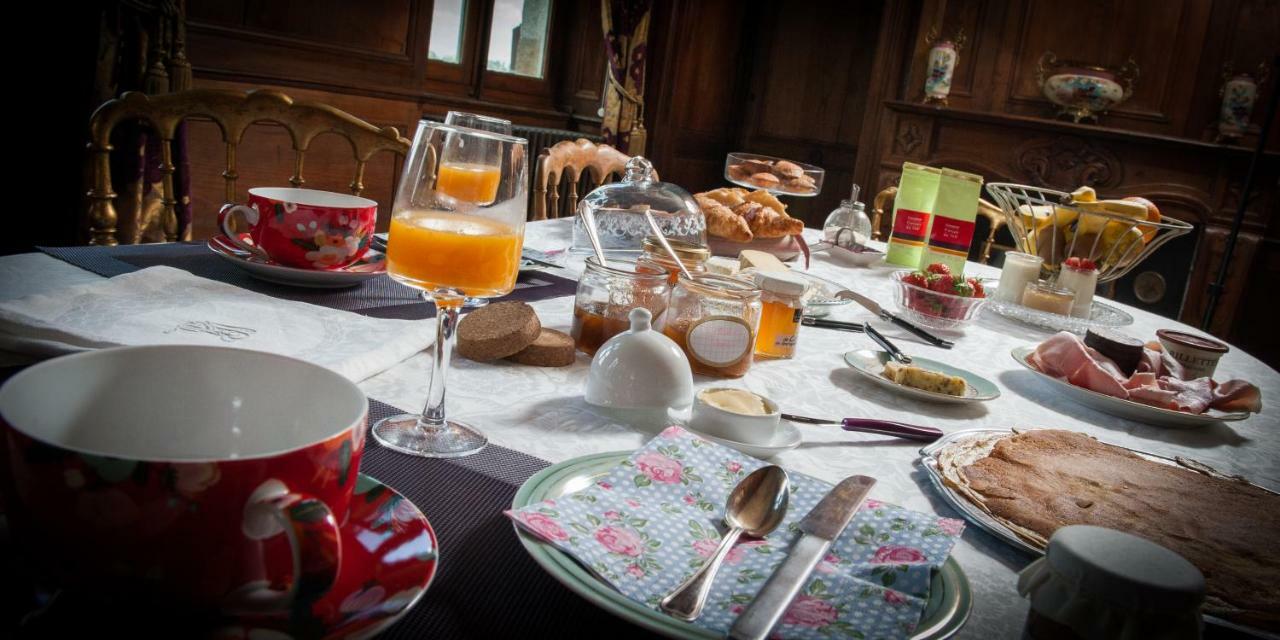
column 181, row 473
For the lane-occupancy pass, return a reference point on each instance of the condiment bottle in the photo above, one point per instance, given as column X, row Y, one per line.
column 714, row 319
column 654, row 258
column 848, row 225
column 606, row 296
column 780, row 315
column 1101, row 583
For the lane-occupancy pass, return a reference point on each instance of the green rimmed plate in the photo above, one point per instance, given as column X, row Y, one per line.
column 870, row 363
column 946, row 612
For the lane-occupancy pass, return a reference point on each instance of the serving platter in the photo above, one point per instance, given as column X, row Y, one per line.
column 870, row 363
column 972, row 513
column 1127, row 408
column 950, row 598
column 1101, row 314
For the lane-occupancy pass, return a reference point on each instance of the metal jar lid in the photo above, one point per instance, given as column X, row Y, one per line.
column 689, row 253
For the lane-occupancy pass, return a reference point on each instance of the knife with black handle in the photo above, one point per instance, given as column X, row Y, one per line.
column 874, row 307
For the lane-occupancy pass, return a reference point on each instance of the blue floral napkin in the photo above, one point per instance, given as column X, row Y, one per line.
column 655, row 518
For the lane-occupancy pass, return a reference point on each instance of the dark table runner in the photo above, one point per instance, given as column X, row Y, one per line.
column 379, row 297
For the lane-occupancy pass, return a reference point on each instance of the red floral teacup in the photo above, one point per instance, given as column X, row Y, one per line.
column 302, row 227
column 208, row 478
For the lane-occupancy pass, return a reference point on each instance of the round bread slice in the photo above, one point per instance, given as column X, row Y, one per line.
column 550, row 349
column 497, row 331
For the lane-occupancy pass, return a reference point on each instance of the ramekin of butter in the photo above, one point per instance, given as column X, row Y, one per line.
column 735, row 414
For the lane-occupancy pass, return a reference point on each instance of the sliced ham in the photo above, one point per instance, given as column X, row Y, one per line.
column 1157, row 380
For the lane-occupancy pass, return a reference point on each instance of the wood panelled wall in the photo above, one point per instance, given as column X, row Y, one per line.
column 1157, row 144
column 370, row 58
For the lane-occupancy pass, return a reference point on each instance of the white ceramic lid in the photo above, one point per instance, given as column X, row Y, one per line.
column 640, row 369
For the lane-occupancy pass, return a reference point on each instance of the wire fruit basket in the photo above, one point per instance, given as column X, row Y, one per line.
column 1050, row 224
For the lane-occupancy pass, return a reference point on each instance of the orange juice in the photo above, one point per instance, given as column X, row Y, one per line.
column 468, row 181
column 437, row 249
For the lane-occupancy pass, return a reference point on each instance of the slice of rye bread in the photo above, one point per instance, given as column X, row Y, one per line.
column 550, row 349
column 497, row 331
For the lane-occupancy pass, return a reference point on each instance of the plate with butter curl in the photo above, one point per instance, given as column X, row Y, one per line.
column 923, row 379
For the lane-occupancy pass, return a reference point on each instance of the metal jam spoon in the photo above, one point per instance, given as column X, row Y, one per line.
column 755, row 507
column 662, row 240
column 593, row 234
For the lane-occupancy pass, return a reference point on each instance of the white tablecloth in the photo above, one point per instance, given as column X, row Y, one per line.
column 541, row 412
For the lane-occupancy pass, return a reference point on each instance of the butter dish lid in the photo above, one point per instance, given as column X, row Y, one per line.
column 640, row 369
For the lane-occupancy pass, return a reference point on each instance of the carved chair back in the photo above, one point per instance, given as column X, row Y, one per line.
column 233, row 112
column 568, row 165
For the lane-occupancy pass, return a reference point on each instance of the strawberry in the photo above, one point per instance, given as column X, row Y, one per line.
column 939, row 268
column 964, row 289
column 1080, row 264
column 942, row 283
column 916, row 279
column 978, row 290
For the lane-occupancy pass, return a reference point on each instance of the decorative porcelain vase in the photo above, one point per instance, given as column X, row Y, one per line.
column 942, row 64
column 1083, row 92
column 1239, row 92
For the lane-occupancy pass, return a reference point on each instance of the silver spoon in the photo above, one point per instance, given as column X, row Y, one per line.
column 755, row 507
column 662, row 239
column 589, row 217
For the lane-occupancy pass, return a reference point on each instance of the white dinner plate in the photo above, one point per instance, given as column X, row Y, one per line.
column 370, row 266
column 870, row 363
column 1127, row 408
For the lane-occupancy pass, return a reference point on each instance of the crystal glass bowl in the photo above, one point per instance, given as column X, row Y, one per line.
column 934, row 309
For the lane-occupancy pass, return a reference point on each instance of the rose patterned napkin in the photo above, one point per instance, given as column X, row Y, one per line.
column 655, row 518
column 163, row 305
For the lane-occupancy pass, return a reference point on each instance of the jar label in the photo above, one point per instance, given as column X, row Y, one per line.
column 719, row 341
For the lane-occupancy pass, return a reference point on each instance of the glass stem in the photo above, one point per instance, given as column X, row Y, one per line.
column 447, row 305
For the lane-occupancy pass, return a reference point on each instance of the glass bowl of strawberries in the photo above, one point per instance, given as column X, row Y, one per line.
column 937, row 299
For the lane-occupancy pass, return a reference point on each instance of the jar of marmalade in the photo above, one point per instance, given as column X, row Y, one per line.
column 606, row 295
column 714, row 319
column 655, row 258
column 780, row 316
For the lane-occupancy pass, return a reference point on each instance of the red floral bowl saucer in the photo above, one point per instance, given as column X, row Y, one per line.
column 371, row 265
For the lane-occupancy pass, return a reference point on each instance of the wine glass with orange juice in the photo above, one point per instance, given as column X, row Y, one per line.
column 459, row 177
column 457, row 228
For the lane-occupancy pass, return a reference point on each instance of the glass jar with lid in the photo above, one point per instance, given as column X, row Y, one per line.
column 619, row 212
column 607, row 294
column 782, row 309
column 714, row 319
column 654, row 259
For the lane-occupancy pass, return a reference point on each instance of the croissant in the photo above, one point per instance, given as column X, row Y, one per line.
column 766, row 222
column 723, row 222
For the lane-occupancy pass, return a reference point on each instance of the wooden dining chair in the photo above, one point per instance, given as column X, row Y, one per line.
column 993, row 214
column 233, row 112
column 572, row 166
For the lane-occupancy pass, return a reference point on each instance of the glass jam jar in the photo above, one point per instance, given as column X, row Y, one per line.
column 715, row 319
column 782, row 310
column 654, row 258
column 605, row 297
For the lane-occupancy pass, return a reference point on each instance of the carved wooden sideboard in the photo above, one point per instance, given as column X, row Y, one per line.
column 1193, row 181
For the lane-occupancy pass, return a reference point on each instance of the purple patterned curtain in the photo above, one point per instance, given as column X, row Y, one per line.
column 626, row 38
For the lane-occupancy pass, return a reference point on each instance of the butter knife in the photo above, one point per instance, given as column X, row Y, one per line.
column 874, row 307
column 820, row 527
column 889, row 347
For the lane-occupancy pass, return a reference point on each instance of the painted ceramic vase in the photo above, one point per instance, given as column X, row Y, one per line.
column 1082, row 92
column 942, row 65
column 180, row 474
column 1238, row 96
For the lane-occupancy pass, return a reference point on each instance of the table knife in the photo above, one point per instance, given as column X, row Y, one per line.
column 810, row 321
column 874, row 307
column 819, row 528
column 872, row 425
column 891, row 348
